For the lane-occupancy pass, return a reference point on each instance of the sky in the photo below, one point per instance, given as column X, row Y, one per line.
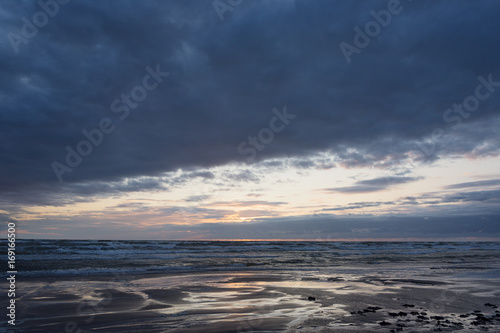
column 236, row 119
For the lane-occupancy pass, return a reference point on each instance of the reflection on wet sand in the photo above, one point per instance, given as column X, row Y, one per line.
column 250, row 302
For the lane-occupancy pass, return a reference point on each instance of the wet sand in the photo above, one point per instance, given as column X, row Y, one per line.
column 364, row 301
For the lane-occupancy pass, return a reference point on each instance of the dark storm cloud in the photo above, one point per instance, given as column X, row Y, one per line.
column 84, row 192
column 226, row 77
column 373, row 185
column 69, row 193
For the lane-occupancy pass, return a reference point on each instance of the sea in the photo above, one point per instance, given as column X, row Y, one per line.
column 57, row 258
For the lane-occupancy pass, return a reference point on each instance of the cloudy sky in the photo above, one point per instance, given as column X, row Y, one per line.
column 238, row 119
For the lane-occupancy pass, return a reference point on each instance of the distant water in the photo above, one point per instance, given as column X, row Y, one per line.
column 90, row 257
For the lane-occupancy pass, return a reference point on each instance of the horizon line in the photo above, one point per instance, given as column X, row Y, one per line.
column 401, row 240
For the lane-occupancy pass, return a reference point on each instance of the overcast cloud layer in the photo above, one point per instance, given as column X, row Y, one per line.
column 226, row 77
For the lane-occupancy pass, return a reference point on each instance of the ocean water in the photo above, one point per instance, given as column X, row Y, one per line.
column 91, row 257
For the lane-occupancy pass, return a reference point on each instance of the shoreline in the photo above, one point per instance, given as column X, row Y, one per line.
column 273, row 301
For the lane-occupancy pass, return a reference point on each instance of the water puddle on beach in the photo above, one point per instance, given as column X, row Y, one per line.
column 344, row 288
column 246, row 298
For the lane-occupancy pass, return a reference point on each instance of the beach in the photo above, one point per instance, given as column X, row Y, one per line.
column 371, row 288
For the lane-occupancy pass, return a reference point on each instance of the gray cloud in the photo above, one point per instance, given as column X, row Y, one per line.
column 250, row 203
column 198, row 198
column 241, row 176
column 471, row 202
column 358, row 205
column 224, row 81
column 480, row 183
column 68, row 193
column 373, row 185
column 473, row 196
column 133, row 206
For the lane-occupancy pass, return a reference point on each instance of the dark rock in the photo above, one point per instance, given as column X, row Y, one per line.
column 384, row 323
column 372, row 309
column 335, row 279
column 402, row 314
column 409, row 305
column 481, row 320
column 310, row 298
